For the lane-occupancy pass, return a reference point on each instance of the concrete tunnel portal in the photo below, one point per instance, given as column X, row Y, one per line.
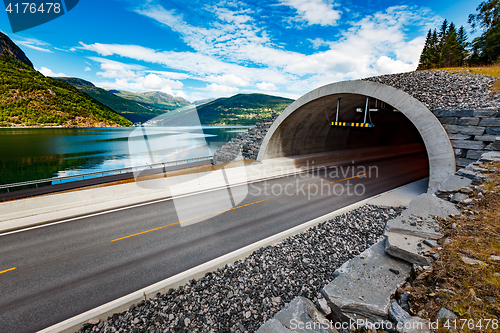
column 305, row 127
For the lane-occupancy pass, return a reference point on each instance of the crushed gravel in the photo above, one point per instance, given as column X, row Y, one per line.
column 445, row 90
column 242, row 296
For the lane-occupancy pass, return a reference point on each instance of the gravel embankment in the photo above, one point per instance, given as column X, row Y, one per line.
column 246, row 144
column 444, row 90
column 241, row 297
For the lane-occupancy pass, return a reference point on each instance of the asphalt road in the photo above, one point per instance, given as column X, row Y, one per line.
column 68, row 268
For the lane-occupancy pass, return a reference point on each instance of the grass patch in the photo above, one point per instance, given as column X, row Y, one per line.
column 496, row 86
column 493, row 70
column 471, row 291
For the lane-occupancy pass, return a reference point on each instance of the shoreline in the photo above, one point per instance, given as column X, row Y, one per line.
column 76, row 127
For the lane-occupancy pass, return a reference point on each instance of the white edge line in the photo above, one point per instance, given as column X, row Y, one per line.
column 112, row 210
column 123, row 303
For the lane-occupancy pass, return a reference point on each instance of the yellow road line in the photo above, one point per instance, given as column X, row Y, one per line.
column 194, row 218
column 336, row 181
column 8, row 270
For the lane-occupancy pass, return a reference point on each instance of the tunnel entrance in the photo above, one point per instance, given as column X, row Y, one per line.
column 305, row 127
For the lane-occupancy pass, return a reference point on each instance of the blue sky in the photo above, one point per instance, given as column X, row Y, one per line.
column 200, row 49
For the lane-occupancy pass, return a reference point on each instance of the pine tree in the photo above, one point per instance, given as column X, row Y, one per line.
column 450, row 55
column 435, row 52
column 444, row 29
column 463, row 45
column 425, row 58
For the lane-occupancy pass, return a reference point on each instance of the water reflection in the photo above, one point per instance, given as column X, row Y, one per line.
column 37, row 153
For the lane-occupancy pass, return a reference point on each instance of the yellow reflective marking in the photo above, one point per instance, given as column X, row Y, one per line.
column 8, row 270
column 194, row 218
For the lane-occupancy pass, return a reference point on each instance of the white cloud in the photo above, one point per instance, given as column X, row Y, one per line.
column 180, row 93
column 315, row 11
column 233, row 41
column 227, row 15
column 171, row 75
column 387, row 65
column 87, row 69
column 221, row 90
column 135, row 77
column 48, row 72
column 228, row 80
column 150, row 82
column 34, row 44
column 234, row 52
column 153, row 81
column 199, row 65
column 356, row 54
column 266, row 86
column 318, row 42
column 59, row 49
column 116, row 69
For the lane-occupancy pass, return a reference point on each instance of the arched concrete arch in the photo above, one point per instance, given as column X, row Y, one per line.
column 439, row 150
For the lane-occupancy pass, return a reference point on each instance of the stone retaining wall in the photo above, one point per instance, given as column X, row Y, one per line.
column 472, row 132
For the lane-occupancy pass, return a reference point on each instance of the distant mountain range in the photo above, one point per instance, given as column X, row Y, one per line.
column 153, row 99
column 28, row 98
column 128, row 108
column 241, row 109
column 146, row 107
column 136, row 107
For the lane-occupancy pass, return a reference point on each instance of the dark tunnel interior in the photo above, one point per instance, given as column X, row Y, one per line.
column 308, row 129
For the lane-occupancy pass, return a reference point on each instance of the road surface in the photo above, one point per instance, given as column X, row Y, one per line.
column 55, row 272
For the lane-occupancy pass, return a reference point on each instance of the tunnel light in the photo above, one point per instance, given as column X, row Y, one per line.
column 359, row 109
column 374, row 110
column 396, row 110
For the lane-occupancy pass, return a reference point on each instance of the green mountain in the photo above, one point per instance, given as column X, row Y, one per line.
column 241, row 109
column 129, row 109
column 28, row 98
column 9, row 49
column 136, row 107
column 153, row 100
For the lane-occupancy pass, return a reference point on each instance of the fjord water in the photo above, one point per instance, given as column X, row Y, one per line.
column 39, row 153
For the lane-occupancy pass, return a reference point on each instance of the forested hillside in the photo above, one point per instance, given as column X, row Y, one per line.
column 28, row 98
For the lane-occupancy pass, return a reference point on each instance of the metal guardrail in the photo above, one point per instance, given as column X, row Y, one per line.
column 59, row 180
